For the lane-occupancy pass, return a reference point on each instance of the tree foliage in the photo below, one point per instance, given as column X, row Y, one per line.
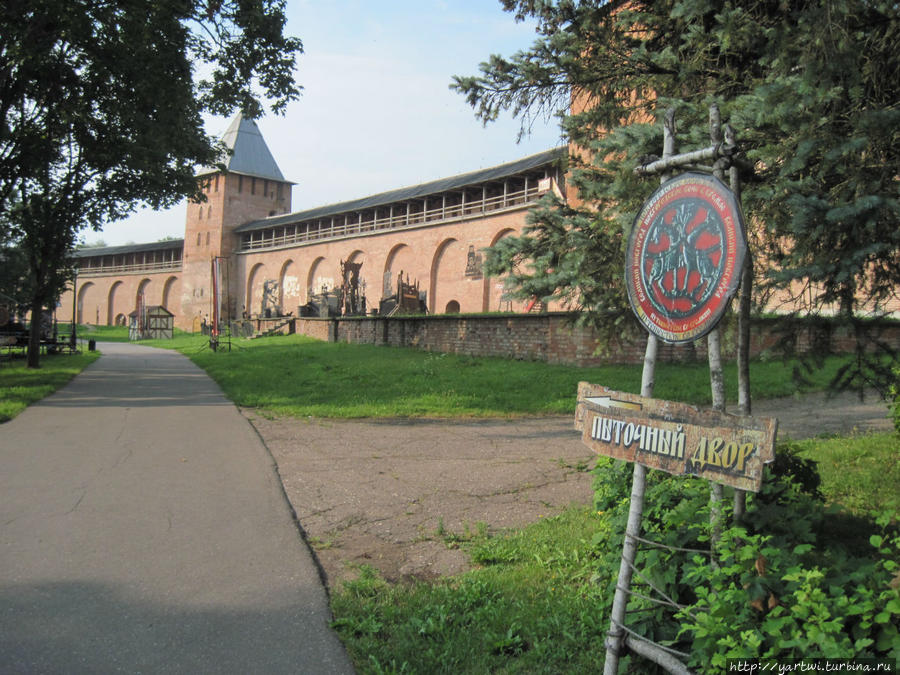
column 15, row 287
column 812, row 89
column 101, row 106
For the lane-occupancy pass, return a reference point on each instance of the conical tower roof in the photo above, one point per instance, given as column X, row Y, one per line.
column 250, row 155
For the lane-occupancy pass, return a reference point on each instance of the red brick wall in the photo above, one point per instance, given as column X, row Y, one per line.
column 103, row 298
column 552, row 338
column 434, row 255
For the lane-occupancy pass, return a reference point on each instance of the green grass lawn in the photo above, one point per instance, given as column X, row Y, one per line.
column 299, row 376
column 98, row 333
column 532, row 608
column 21, row 386
column 861, row 473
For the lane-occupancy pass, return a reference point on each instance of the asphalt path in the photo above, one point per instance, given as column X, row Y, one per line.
column 144, row 529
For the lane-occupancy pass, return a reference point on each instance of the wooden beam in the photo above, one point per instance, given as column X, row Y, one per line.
column 726, row 151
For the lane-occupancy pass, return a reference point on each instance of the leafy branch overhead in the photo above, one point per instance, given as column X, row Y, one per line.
column 811, row 88
column 247, row 45
column 108, row 91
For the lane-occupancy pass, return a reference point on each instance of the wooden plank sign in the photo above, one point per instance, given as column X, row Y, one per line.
column 676, row 438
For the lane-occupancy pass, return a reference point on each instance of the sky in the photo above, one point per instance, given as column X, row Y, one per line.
column 376, row 112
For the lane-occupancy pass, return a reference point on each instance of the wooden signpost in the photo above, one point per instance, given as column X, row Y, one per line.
column 676, row 438
column 687, row 254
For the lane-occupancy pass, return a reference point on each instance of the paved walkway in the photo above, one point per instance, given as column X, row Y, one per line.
column 143, row 528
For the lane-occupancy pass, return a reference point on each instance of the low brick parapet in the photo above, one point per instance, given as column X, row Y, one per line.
column 554, row 337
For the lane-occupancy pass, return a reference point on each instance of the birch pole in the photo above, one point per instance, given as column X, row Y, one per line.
column 714, row 347
column 743, row 346
column 616, row 637
column 714, row 342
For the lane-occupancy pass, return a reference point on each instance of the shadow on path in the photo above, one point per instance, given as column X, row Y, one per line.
column 65, row 627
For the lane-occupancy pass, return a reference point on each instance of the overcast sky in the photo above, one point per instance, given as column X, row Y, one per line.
column 376, row 112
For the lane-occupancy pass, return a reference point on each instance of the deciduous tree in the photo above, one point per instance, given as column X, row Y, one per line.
column 101, row 105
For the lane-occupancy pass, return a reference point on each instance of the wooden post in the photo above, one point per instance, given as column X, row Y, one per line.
column 743, row 347
column 616, row 637
column 717, row 380
column 714, row 347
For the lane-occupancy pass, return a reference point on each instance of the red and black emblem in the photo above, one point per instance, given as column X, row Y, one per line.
column 685, row 256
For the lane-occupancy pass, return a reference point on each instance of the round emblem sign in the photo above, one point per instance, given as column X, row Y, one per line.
column 685, row 256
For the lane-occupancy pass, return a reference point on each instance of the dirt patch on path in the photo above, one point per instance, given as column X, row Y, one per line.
column 388, row 493
column 391, row 493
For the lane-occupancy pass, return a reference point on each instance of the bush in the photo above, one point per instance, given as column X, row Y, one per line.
column 766, row 601
column 794, row 579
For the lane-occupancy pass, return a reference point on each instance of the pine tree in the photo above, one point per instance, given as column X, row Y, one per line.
column 811, row 88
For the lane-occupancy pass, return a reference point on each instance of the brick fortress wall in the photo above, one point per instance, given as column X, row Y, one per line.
column 554, row 339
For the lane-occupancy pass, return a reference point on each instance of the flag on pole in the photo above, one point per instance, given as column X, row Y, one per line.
column 216, row 300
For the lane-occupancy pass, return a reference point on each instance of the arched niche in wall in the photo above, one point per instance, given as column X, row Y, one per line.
column 143, row 287
column 290, row 287
column 85, row 292
column 399, row 259
column 493, row 286
column 365, row 289
column 111, row 298
column 255, row 280
column 320, row 278
column 357, row 256
column 167, row 291
column 447, row 272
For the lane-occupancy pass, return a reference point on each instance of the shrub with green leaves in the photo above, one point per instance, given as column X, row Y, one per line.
column 763, row 600
column 794, row 579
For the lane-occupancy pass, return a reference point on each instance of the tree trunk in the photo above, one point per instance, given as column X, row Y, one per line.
column 34, row 334
column 717, row 385
column 716, row 375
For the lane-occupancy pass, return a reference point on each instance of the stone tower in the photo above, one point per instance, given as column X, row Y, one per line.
column 250, row 187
